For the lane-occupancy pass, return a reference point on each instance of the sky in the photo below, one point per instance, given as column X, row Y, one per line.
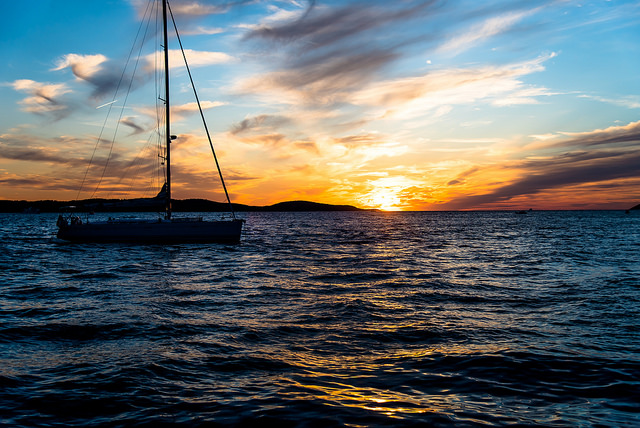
column 395, row 105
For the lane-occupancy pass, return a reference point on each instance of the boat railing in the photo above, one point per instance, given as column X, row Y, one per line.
column 186, row 219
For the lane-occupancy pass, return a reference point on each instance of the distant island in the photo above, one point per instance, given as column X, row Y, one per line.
column 141, row 205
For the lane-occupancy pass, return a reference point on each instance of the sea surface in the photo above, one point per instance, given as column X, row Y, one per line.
column 328, row 319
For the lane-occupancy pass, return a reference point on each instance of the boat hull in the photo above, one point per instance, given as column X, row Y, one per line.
column 154, row 231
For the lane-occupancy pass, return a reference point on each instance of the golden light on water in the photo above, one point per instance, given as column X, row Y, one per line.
column 390, row 403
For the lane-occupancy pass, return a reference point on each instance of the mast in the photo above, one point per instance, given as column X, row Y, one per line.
column 166, row 119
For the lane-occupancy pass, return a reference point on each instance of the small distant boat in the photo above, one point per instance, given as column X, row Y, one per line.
column 167, row 229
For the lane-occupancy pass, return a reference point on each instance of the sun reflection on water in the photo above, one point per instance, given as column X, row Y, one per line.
column 390, row 403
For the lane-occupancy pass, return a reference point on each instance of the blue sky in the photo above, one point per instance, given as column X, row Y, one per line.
column 394, row 105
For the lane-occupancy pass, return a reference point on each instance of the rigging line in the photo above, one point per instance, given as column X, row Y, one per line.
column 204, row 122
column 136, row 166
column 135, row 68
column 134, row 169
column 104, row 124
column 160, row 117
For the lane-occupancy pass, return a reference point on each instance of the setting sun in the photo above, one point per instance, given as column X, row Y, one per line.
column 386, row 193
column 382, row 200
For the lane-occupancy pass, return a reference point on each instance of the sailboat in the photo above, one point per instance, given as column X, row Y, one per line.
column 167, row 229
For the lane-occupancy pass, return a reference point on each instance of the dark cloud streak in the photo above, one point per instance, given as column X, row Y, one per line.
column 36, row 155
column 599, row 156
column 260, row 122
column 318, row 28
column 462, row 176
column 131, row 123
column 563, row 171
column 332, row 49
column 609, row 137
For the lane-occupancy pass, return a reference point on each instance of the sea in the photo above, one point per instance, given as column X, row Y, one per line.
column 346, row 319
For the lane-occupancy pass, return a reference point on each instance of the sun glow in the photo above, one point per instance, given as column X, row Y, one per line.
column 383, row 200
column 386, row 194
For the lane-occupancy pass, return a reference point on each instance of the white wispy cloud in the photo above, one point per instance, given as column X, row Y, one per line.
column 628, row 101
column 84, row 67
column 412, row 96
column 180, row 111
column 482, row 31
column 202, row 31
column 195, row 58
column 93, row 69
column 182, row 7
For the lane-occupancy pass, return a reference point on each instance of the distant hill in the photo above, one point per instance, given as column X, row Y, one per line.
column 308, row 206
column 637, row 207
column 184, row 205
column 204, row 205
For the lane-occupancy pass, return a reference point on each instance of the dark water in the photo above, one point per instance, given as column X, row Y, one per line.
column 338, row 319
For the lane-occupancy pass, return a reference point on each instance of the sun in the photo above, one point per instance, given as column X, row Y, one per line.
column 387, row 193
column 383, row 199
